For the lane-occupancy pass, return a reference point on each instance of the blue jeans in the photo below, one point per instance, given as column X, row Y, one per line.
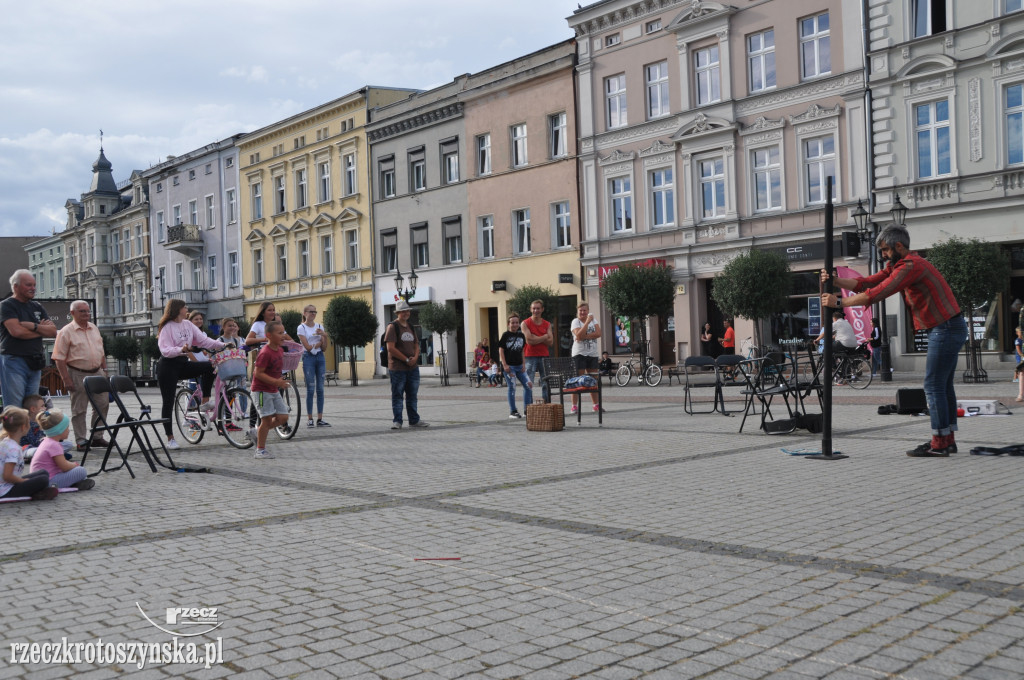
column 314, row 367
column 17, row 380
column 513, row 373
column 944, row 343
column 535, row 365
column 405, row 384
column 876, row 360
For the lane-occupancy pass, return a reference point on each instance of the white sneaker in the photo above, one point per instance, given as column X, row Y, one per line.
column 262, row 453
column 207, row 407
column 251, row 434
column 396, row 425
column 171, row 444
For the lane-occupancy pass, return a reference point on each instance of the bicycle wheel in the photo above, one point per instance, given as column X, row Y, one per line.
column 233, row 418
column 188, row 418
column 623, row 375
column 652, row 376
column 858, row 372
column 291, row 398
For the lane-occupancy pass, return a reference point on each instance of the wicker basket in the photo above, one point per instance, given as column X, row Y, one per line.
column 292, row 355
column 545, row 418
column 229, row 363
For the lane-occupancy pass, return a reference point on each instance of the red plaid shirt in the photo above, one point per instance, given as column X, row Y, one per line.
column 926, row 293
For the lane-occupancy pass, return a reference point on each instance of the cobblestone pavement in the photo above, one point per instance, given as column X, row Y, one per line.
column 660, row 545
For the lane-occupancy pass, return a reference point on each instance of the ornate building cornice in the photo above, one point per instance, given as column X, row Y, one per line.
column 410, row 123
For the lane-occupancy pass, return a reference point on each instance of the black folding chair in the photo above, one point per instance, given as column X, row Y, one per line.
column 699, row 372
column 769, row 377
column 561, row 369
column 122, row 384
column 98, row 384
column 732, row 373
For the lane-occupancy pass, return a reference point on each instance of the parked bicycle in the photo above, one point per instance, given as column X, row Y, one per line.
column 641, row 365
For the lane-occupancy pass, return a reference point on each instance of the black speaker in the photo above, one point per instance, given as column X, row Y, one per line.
column 910, row 400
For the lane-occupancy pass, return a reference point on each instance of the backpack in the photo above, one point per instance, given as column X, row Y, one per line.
column 384, row 347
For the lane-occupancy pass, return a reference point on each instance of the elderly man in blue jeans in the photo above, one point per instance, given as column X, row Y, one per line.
column 23, row 325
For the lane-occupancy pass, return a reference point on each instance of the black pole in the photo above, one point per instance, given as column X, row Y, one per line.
column 826, row 373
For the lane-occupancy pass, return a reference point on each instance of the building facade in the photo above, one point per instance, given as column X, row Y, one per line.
column 472, row 178
column 106, row 250
column 947, row 92
column 707, row 129
column 46, row 262
column 305, row 210
column 196, row 237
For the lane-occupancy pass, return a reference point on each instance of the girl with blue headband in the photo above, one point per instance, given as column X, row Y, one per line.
column 50, row 454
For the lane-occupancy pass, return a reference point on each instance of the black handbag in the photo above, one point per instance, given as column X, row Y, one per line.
column 36, row 362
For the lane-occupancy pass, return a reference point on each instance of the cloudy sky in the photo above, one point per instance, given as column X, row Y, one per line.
column 164, row 78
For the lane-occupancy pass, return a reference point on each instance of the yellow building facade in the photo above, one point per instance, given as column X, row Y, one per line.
column 304, row 187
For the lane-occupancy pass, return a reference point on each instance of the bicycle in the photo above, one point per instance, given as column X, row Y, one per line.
column 231, row 406
column 853, row 368
column 643, row 367
column 290, row 362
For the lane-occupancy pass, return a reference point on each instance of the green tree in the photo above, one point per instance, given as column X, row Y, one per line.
column 125, row 348
column 520, row 301
column 291, row 320
column 977, row 272
column 440, row 319
column 351, row 323
column 755, row 285
column 638, row 292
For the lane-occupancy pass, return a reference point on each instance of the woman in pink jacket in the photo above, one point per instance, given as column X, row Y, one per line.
column 179, row 339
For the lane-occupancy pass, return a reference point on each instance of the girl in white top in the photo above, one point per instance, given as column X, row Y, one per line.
column 314, row 363
column 258, row 331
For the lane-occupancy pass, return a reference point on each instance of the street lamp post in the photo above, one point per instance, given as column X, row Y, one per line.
column 867, row 232
column 406, row 293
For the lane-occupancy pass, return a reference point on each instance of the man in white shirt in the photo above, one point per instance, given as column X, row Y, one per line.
column 842, row 333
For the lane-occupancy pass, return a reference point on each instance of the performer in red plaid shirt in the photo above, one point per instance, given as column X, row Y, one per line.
column 933, row 308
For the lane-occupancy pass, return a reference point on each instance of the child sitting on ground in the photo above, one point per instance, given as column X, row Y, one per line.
column 14, row 426
column 266, row 383
column 50, row 454
column 35, row 405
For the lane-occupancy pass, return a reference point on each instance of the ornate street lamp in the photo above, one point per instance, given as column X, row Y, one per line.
column 407, row 293
column 899, row 211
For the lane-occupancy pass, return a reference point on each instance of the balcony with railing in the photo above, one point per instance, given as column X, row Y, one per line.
column 185, row 238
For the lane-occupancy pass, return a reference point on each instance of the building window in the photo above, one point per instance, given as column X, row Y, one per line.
column 450, row 160
column 521, row 225
column 386, row 169
column 615, row 101
column 483, row 154
column 129, row 299
column 191, row 175
column 350, row 174
column 300, row 188
column 707, row 75
column 175, row 181
column 160, row 226
column 562, row 224
column 663, row 192
column 656, row 76
column 257, row 201
column 712, row 188
column 118, row 299
column 176, row 214
column 519, row 157
column 815, row 54
column 1015, row 124
column 211, row 267
column 233, row 268
column 209, row 168
column 281, row 255
column 210, row 221
column 486, row 237
column 929, row 17
column 819, row 164
column 179, row 275
column 933, row 147
column 653, row 26
column 139, row 243
column 389, row 250
column 323, row 181
column 352, row 249
column 612, row 40
column 257, row 265
column 417, row 170
column 420, row 246
column 303, row 248
column 115, row 247
column 452, row 240
column 197, row 275
column 767, row 178
column 279, row 201
column 557, row 130
column 326, row 254
column 193, row 212
column 761, row 60
column 159, row 187
column 230, row 199
column 621, row 194
column 254, row 158
column 229, row 162
column 1014, row 5
column 127, row 244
